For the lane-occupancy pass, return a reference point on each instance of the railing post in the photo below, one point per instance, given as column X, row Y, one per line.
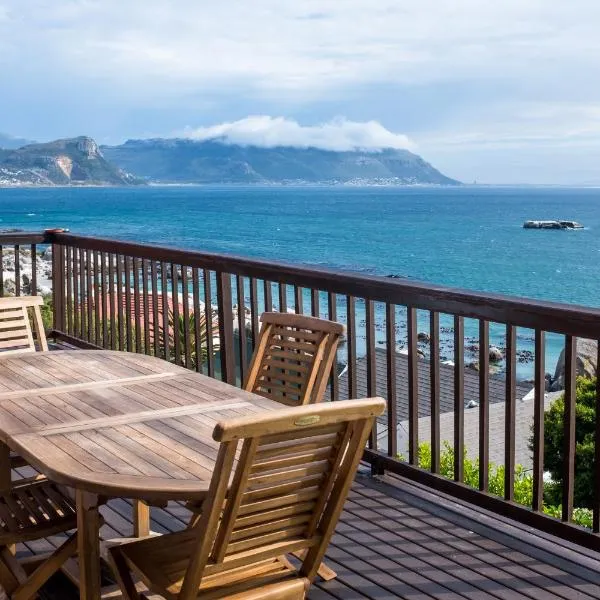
column 225, row 311
column 568, row 478
column 538, row 421
column 58, row 284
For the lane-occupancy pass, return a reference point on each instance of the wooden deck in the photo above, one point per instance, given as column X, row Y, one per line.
column 398, row 540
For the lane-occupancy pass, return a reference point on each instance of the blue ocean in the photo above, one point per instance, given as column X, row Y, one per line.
column 469, row 237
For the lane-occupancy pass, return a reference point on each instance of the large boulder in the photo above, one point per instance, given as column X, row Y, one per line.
column 495, row 354
column 587, row 365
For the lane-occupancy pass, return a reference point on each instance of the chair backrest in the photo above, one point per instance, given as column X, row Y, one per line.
column 293, row 358
column 16, row 335
column 286, row 491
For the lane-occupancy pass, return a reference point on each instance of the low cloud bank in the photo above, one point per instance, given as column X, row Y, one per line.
column 338, row 134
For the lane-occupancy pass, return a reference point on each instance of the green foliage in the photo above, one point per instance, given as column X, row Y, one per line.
column 585, row 419
column 198, row 352
column 581, row 516
column 46, row 311
column 523, row 487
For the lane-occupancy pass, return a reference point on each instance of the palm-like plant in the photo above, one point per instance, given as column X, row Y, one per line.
column 198, row 345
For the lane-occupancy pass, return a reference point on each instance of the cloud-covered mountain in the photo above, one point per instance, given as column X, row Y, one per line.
column 74, row 161
column 220, row 161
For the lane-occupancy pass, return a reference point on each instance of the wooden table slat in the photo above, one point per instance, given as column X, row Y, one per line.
column 140, row 417
column 77, row 412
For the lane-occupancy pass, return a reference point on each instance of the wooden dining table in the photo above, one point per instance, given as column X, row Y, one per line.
column 114, row 424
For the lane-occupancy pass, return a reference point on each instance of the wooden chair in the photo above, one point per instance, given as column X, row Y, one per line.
column 29, row 510
column 16, row 335
column 35, row 507
column 283, row 494
column 293, row 358
column 291, row 364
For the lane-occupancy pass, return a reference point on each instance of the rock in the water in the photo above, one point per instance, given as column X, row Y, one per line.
column 493, row 369
column 495, row 354
column 586, row 363
column 423, row 336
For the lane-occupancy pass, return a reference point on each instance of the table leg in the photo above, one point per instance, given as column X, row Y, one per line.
column 5, row 473
column 88, row 545
column 141, row 519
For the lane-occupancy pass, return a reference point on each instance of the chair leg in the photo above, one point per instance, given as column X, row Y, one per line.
column 122, row 574
column 36, row 580
column 325, row 572
column 8, row 579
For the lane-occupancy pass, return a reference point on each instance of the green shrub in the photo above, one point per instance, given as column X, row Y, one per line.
column 523, row 487
column 46, row 311
column 585, row 423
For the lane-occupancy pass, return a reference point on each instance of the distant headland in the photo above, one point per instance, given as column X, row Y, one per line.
column 73, row 161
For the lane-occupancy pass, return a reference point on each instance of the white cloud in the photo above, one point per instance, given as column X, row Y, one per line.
column 535, row 142
column 304, row 49
column 338, row 134
column 523, row 125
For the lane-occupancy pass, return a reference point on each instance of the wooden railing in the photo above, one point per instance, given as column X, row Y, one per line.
column 202, row 310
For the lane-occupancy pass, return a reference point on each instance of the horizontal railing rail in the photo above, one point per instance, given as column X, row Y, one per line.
column 23, row 237
column 428, row 349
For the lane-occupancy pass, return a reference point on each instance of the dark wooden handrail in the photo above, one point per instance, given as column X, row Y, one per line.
column 569, row 319
column 23, row 237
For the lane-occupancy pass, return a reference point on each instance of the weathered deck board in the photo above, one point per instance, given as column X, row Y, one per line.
column 398, row 540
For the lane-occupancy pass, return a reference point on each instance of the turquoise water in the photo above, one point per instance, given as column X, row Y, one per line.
column 468, row 237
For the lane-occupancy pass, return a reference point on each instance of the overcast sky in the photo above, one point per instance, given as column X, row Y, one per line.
column 498, row 92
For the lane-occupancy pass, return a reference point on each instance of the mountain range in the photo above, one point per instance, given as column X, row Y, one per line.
column 79, row 161
column 215, row 161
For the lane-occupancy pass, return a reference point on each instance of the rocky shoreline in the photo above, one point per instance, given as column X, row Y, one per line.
column 43, row 269
column 586, row 357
